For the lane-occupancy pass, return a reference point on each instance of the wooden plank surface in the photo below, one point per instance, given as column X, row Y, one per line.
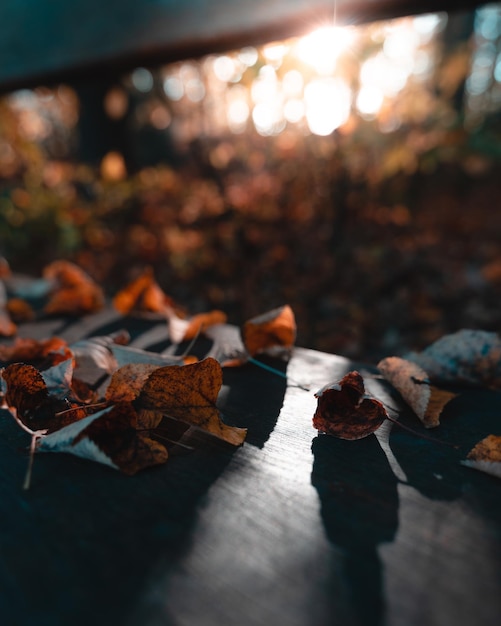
column 43, row 41
column 291, row 529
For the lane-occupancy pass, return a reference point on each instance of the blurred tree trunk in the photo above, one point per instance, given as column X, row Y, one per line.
column 99, row 134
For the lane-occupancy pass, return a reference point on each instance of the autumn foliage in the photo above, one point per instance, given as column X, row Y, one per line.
column 109, row 402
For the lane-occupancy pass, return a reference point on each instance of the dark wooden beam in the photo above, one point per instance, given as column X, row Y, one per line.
column 47, row 41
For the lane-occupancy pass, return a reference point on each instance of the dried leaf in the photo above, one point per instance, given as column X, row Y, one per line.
column 189, row 393
column 227, row 347
column 143, row 295
column 110, row 437
column 46, row 352
column 59, row 379
column 26, row 389
column 273, row 332
column 413, row 384
column 94, row 356
column 486, row 456
column 127, row 382
column 471, row 357
column 4, row 268
column 346, row 411
column 29, row 399
column 7, row 326
column 187, row 329
column 75, row 292
column 20, row 311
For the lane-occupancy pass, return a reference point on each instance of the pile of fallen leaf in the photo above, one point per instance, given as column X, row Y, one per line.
column 114, row 404
column 468, row 357
column 106, row 401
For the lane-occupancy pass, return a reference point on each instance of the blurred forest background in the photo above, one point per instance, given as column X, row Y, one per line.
column 354, row 173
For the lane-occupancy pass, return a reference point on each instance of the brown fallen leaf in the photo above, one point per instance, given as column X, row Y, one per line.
column 187, row 329
column 143, row 295
column 29, row 399
column 111, row 436
column 26, row 389
column 127, row 382
column 75, row 293
column 7, row 326
column 20, row 311
column 94, row 358
column 44, row 352
column 272, row 333
column 486, row 456
column 413, row 384
column 189, row 393
column 4, row 268
column 346, row 411
column 471, row 357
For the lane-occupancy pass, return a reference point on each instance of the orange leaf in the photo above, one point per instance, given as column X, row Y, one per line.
column 271, row 332
column 26, row 389
column 144, row 295
column 7, row 326
column 28, row 398
column 20, row 311
column 4, row 268
column 413, row 384
column 486, row 456
column 345, row 411
column 185, row 330
column 75, row 292
column 49, row 351
column 189, row 393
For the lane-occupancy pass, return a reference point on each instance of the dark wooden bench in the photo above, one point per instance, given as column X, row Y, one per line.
column 291, row 529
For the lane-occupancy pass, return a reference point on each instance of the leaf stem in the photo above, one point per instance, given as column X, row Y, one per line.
column 273, row 370
column 176, row 443
column 421, row 435
column 97, row 405
column 29, row 469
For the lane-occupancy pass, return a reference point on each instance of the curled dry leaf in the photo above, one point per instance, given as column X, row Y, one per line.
column 273, row 332
column 94, row 357
column 471, row 357
column 30, row 400
column 486, row 456
column 143, row 295
column 58, row 379
column 346, row 411
column 189, row 393
column 75, row 293
column 413, row 384
column 187, row 329
column 46, row 352
column 26, row 389
column 111, row 436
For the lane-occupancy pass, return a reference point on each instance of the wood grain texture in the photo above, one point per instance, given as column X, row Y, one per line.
column 292, row 529
column 43, row 41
